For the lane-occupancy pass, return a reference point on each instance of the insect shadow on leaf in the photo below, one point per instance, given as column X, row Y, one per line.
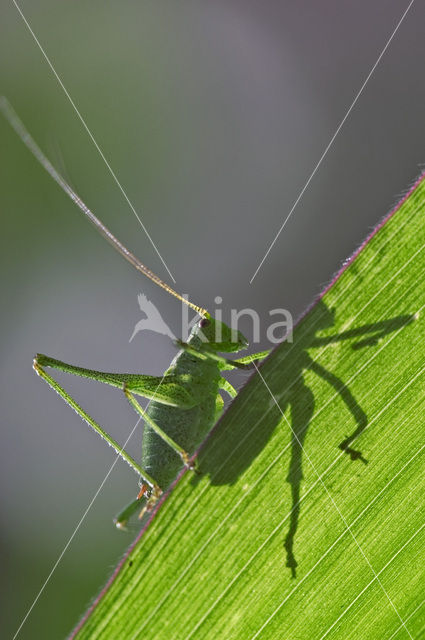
column 288, row 385
column 185, row 402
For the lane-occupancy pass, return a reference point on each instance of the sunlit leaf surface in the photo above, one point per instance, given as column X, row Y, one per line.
column 285, row 534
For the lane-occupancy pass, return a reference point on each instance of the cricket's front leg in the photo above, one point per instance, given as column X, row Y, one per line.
column 123, row 517
column 224, row 363
column 94, row 425
column 227, row 387
column 254, row 357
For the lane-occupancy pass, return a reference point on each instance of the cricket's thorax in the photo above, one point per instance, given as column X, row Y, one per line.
column 188, row 427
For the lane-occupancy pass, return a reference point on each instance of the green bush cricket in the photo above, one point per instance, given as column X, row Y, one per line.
column 184, row 403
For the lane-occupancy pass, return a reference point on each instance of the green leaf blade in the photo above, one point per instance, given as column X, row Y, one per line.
column 212, row 563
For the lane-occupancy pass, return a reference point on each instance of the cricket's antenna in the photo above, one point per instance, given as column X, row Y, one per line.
column 26, row 138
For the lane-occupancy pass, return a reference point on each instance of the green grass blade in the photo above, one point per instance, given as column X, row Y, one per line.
column 285, row 535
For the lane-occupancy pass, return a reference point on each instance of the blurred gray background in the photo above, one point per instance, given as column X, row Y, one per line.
column 213, row 115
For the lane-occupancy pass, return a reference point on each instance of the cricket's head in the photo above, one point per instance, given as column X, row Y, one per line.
column 219, row 336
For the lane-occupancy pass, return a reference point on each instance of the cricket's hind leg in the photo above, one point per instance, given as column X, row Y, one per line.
column 39, row 362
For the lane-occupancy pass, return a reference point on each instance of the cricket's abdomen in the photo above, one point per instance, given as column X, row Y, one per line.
column 187, row 427
column 158, row 458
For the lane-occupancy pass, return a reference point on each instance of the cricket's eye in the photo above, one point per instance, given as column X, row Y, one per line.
column 204, row 322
